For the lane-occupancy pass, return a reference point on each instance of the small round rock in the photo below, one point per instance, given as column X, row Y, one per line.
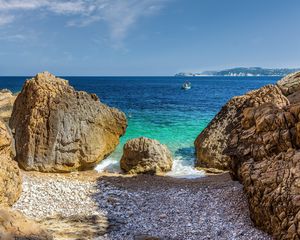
column 145, row 155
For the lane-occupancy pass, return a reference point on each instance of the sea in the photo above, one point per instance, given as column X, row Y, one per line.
column 157, row 107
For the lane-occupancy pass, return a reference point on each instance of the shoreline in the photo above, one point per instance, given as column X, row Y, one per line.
column 210, row 207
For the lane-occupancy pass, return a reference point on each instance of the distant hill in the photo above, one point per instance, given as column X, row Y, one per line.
column 243, row 71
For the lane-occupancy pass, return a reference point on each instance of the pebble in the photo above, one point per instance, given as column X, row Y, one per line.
column 163, row 212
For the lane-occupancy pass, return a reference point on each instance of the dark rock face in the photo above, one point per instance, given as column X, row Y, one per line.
column 144, row 155
column 212, row 141
column 58, row 129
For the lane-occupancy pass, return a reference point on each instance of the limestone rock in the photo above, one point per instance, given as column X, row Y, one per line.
column 58, row 129
column 5, row 140
column 265, row 156
column 290, row 83
column 10, row 176
column 13, row 225
column 10, row 181
column 144, row 155
column 7, row 99
column 264, row 151
column 212, row 141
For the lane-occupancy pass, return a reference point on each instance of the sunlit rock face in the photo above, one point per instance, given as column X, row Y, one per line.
column 145, row 155
column 58, row 129
column 264, row 152
column 10, row 176
column 14, row 225
column 212, row 141
column 7, row 99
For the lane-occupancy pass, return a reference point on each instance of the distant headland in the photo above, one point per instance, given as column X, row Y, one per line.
column 242, row 71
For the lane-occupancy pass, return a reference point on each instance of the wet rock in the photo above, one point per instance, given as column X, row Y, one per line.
column 58, row 129
column 144, row 155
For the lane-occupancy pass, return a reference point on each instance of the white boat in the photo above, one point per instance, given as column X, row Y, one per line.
column 186, row 86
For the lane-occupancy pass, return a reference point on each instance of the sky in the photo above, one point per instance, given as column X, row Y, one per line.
column 146, row 37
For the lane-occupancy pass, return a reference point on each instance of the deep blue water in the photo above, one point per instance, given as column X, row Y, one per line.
column 156, row 107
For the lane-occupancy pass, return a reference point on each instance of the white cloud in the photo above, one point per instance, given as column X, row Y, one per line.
column 6, row 19
column 15, row 37
column 67, row 7
column 120, row 15
column 8, row 5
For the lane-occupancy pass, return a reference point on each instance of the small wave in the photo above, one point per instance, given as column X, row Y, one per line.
column 110, row 165
column 183, row 170
column 180, row 168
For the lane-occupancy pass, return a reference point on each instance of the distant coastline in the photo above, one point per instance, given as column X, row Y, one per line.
column 242, row 72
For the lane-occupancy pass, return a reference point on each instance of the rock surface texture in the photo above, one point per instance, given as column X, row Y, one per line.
column 144, row 155
column 10, row 176
column 13, row 225
column 58, row 129
column 211, row 143
column 7, row 99
column 266, row 159
column 264, row 151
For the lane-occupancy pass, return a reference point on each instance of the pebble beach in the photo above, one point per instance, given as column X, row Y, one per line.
column 143, row 207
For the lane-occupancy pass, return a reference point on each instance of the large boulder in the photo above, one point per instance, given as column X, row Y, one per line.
column 257, row 137
column 212, row 141
column 58, row 129
column 144, row 155
column 264, row 152
column 7, row 99
column 265, row 158
column 14, row 225
column 10, row 176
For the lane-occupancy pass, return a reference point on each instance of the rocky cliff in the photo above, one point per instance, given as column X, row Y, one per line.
column 58, row 129
column 211, row 142
column 263, row 153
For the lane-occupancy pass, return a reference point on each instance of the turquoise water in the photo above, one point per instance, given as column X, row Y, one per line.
column 171, row 128
column 156, row 107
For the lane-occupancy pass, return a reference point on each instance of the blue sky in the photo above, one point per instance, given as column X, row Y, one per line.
column 146, row 37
